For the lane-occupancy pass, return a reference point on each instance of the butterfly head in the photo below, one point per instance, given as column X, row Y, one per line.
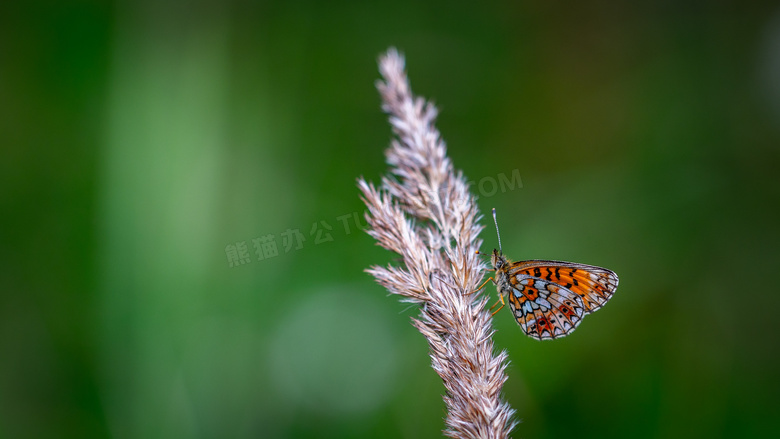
column 498, row 259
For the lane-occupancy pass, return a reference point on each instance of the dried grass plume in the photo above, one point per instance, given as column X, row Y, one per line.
column 424, row 212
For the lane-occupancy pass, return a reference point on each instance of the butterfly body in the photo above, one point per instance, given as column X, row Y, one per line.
column 550, row 298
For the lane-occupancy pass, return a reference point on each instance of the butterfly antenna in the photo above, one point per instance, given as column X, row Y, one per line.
column 495, row 221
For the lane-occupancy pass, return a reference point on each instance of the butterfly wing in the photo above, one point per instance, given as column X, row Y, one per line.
column 543, row 309
column 550, row 298
column 595, row 285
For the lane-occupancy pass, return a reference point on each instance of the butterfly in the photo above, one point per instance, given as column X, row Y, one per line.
column 549, row 299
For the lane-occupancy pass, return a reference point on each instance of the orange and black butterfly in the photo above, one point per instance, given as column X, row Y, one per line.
column 549, row 298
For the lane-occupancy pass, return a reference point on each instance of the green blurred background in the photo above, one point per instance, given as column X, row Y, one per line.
column 145, row 144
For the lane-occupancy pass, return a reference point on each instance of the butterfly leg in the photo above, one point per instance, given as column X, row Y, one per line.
column 480, row 287
column 501, row 299
column 483, row 284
